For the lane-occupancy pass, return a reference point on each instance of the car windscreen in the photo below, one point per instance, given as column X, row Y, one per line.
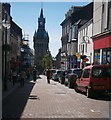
column 78, row 72
column 69, row 71
column 101, row 72
column 58, row 72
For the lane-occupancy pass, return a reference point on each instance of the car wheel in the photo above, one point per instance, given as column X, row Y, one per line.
column 65, row 84
column 76, row 88
column 89, row 93
column 69, row 84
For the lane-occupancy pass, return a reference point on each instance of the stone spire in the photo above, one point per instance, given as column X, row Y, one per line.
column 41, row 14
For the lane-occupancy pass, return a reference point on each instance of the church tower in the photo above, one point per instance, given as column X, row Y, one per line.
column 41, row 41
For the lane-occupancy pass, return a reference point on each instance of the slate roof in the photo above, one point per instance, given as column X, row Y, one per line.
column 84, row 15
column 15, row 29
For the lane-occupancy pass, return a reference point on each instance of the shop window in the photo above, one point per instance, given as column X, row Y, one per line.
column 86, row 47
column 109, row 56
column 97, row 57
column 104, row 58
column 83, row 48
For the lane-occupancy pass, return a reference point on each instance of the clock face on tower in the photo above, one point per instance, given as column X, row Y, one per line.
column 41, row 23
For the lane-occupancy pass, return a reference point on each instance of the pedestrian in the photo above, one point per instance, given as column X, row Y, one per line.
column 14, row 77
column 22, row 79
column 48, row 74
column 34, row 74
column 28, row 75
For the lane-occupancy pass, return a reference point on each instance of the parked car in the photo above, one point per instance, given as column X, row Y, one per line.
column 56, row 74
column 71, row 77
column 94, row 79
column 62, row 76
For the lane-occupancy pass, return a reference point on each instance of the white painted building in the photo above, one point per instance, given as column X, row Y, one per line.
column 85, row 42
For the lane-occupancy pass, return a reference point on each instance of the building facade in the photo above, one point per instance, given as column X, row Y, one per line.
column 11, row 45
column 41, row 41
column 15, row 45
column 85, row 44
column 102, row 32
column 27, row 57
column 1, row 61
column 78, row 19
column 5, row 43
column 66, row 26
column 58, row 60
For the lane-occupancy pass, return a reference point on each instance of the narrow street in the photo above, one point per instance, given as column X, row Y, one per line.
column 42, row 100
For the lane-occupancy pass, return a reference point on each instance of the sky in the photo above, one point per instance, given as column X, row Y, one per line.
column 25, row 15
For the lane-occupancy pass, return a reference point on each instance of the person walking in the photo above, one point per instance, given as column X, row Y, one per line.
column 48, row 74
column 34, row 74
column 28, row 75
column 22, row 79
column 14, row 77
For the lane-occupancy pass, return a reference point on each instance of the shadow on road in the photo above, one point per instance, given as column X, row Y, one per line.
column 14, row 104
column 102, row 97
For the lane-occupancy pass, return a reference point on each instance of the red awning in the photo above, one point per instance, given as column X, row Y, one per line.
column 103, row 41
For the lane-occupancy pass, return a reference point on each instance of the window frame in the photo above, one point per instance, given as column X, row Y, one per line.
column 85, row 73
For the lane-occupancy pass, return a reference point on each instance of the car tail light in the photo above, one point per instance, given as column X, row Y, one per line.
column 71, row 76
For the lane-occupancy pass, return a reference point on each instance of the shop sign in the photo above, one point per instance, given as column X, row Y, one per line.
column 78, row 60
column 78, row 55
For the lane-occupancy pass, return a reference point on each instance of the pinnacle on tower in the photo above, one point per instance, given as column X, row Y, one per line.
column 41, row 14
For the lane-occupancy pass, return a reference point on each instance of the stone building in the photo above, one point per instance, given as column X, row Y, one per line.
column 66, row 25
column 15, row 45
column 11, row 44
column 58, row 60
column 41, row 41
column 5, row 42
column 78, row 19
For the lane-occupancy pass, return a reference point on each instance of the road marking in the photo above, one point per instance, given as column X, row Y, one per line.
column 92, row 110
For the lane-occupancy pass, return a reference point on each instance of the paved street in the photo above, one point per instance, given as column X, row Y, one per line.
column 42, row 100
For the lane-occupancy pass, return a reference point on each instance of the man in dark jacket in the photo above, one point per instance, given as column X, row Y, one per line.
column 34, row 74
column 48, row 74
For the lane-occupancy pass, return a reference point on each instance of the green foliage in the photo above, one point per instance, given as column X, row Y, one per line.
column 47, row 61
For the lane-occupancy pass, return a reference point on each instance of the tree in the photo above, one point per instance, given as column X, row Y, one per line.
column 47, row 61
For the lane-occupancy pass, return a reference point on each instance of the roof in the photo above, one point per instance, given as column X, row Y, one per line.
column 85, row 14
column 68, row 18
column 86, row 24
column 68, row 14
column 41, row 14
column 15, row 29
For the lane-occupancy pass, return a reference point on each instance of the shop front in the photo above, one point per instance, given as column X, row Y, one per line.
column 72, row 60
column 102, row 49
